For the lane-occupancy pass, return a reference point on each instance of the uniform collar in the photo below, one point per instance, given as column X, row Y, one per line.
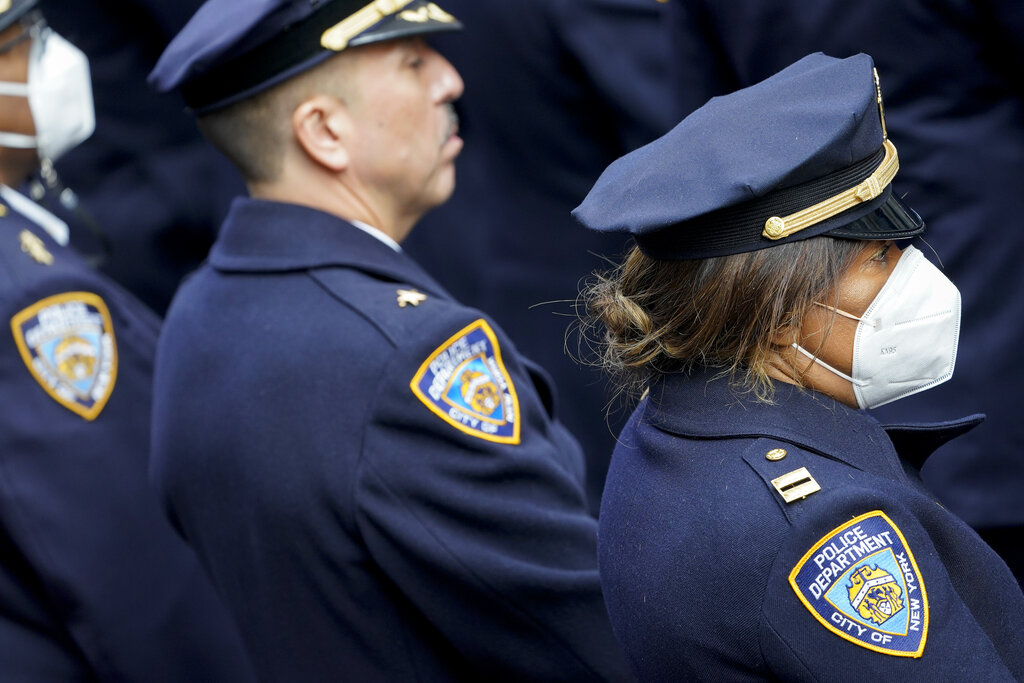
column 54, row 227
column 702, row 405
column 267, row 236
column 378, row 234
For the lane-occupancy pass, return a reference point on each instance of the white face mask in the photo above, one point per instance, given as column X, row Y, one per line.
column 906, row 340
column 59, row 92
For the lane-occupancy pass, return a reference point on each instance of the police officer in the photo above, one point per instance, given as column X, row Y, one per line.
column 954, row 80
column 766, row 305
column 94, row 583
column 368, row 469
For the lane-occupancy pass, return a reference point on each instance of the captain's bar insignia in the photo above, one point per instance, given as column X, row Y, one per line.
column 34, row 247
column 796, row 485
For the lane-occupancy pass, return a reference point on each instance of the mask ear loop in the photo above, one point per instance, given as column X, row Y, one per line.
column 13, row 89
column 8, row 138
column 840, row 311
column 851, row 380
column 32, row 26
column 851, row 316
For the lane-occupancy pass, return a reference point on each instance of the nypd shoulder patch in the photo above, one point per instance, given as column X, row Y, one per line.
column 67, row 342
column 862, row 583
column 465, row 383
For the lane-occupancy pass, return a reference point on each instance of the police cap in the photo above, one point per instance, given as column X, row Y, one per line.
column 232, row 49
column 800, row 154
column 12, row 10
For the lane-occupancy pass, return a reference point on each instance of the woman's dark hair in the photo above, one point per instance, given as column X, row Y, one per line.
column 647, row 317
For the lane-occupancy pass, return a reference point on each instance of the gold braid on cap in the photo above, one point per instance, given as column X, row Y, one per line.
column 775, row 228
column 336, row 38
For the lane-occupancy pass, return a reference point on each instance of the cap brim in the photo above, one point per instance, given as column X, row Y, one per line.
column 892, row 220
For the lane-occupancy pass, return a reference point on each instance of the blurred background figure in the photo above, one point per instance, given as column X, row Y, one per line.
column 146, row 180
column 952, row 75
column 555, row 91
column 94, row 583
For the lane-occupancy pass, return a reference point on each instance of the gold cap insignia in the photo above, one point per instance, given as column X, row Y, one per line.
column 881, row 107
column 425, row 14
column 870, row 188
column 336, row 38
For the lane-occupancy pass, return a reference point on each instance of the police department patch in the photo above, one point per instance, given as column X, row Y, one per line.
column 67, row 342
column 464, row 382
column 862, row 583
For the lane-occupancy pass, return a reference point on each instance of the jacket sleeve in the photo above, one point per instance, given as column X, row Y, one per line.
column 76, row 502
column 861, row 585
column 491, row 541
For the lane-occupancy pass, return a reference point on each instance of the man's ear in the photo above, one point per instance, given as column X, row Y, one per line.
column 321, row 126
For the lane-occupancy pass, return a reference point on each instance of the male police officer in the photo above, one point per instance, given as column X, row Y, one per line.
column 370, row 472
column 94, row 583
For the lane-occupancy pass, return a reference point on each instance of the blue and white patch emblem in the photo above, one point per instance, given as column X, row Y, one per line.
column 862, row 583
column 67, row 342
column 464, row 382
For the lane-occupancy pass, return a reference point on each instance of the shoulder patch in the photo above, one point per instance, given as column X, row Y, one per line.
column 67, row 342
column 862, row 583
column 465, row 383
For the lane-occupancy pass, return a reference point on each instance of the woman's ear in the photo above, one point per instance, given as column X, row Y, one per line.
column 321, row 126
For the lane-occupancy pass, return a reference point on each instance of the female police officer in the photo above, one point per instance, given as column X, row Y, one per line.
column 755, row 523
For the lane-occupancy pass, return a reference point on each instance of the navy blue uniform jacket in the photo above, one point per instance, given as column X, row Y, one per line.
column 359, row 531
column 710, row 575
column 94, row 583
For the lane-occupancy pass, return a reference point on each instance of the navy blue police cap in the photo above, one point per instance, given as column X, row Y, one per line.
column 12, row 10
column 802, row 153
column 233, row 49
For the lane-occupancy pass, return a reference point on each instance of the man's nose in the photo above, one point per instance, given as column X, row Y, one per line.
column 448, row 85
